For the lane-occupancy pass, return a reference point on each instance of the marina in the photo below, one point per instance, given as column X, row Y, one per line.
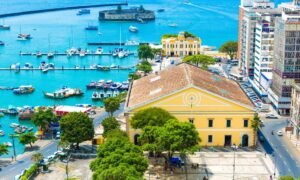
column 100, row 68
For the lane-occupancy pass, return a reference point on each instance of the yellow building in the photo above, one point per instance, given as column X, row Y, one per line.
column 180, row 46
column 217, row 106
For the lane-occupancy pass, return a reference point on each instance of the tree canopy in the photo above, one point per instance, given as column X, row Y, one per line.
column 27, row 138
column 145, row 52
column 153, row 116
column 111, row 105
column 287, row 178
column 230, row 48
column 144, row 66
column 200, row 60
column 43, row 118
column 37, row 157
column 133, row 76
column 172, row 136
column 76, row 127
column 255, row 125
column 118, row 159
column 3, row 149
column 110, row 123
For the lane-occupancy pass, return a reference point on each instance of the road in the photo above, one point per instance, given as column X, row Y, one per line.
column 10, row 171
column 283, row 153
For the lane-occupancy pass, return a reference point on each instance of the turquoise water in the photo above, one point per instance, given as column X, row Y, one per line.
column 214, row 21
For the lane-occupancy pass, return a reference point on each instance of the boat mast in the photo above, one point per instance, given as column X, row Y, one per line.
column 120, row 37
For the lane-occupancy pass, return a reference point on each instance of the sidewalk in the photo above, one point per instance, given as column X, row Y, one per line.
column 292, row 138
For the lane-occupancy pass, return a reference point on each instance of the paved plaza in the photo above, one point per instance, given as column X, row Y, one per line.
column 218, row 166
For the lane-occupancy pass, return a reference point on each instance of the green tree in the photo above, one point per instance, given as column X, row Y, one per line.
column 27, row 138
column 144, row 66
column 255, row 124
column 287, row 178
column 153, row 116
column 76, row 127
column 37, row 157
column 133, row 76
column 116, row 133
column 200, row 60
column 109, row 123
column 157, row 51
column 115, row 155
column 145, row 52
column 3, row 149
column 111, row 105
column 230, row 48
column 172, row 136
column 43, row 118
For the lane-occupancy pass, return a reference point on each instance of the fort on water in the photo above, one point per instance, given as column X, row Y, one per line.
column 131, row 14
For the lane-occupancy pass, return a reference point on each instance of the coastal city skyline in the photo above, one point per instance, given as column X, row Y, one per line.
column 150, row 89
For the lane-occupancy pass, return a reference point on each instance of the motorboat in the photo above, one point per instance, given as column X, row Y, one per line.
column 30, row 129
column 91, row 28
column 8, row 144
column 100, row 33
column 99, row 50
column 51, row 66
column 100, row 84
column 93, row 66
column 132, row 43
column 20, row 129
column 133, row 29
column 24, row 37
column 172, row 25
column 4, row 27
column 95, row 96
column 39, row 54
column 11, row 111
column 161, row 10
column 28, row 66
column 50, row 55
column 113, row 66
column 102, row 68
column 43, row 65
column 107, row 84
column 2, row 43
column 83, row 11
column 115, row 86
column 91, row 85
column 45, row 70
column 72, row 51
column 24, row 90
column 2, row 133
column 124, row 85
column 14, row 125
column 64, row 92
column 121, row 54
column 15, row 66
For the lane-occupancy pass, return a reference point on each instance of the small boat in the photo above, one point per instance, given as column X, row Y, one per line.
column 91, row 85
column 140, row 20
column 4, row 27
column 8, row 144
column 172, row 25
column 50, row 55
column 115, row 86
column 113, row 66
column 2, row 43
column 39, row 54
column 83, row 11
column 65, row 92
column 99, row 33
column 161, row 10
column 107, row 84
column 11, row 111
column 99, row 50
column 28, row 66
column 132, row 43
column 102, row 68
column 82, row 53
column 24, row 90
column 72, row 51
column 121, row 54
column 20, row 129
column 92, row 28
column 99, row 84
column 95, row 96
column 2, row 133
column 133, row 29
column 51, row 66
column 124, row 85
column 93, row 66
column 14, row 125
column 45, row 70
column 30, row 129
column 24, row 37
column 25, row 114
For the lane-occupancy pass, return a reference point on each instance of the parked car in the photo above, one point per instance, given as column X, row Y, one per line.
column 271, row 116
column 279, row 133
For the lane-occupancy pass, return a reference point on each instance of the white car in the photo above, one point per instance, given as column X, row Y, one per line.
column 279, row 133
column 271, row 116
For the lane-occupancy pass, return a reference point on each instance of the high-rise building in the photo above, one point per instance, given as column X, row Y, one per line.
column 263, row 52
column 248, row 18
column 286, row 66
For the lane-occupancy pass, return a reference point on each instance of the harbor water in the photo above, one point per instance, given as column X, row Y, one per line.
column 214, row 21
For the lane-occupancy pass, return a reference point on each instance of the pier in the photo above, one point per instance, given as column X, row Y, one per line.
column 60, row 9
column 104, row 68
column 66, row 54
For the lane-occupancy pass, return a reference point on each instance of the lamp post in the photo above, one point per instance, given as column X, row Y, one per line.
column 234, row 147
column 274, row 156
column 13, row 143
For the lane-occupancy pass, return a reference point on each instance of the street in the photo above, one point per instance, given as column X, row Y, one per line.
column 10, row 171
column 283, row 154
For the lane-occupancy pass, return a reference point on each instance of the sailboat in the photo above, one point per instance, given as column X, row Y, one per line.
column 50, row 54
column 121, row 53
column 23, row 37
column 4, row 26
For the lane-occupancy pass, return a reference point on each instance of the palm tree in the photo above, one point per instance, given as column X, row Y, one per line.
column 255, row 124
column 36, row 157
column 3, row 149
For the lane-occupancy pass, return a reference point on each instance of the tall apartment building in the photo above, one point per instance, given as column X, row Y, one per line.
column 295, row 110
column 286, row 66
column 263, row 52
column 248, row 18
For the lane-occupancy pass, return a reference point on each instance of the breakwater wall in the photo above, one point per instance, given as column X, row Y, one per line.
column 59, row 9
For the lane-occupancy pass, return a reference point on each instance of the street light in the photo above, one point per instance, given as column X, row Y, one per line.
column 234, row 147
column 274, row 155
column 13, row 143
